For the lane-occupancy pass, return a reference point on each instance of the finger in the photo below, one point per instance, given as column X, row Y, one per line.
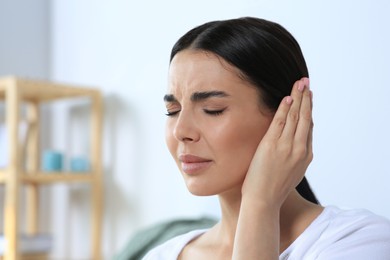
column 310, row 143
column 294, row 112
column 305, row 119
column 310, row 137
column 278, row 122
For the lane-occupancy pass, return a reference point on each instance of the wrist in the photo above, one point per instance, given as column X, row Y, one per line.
column 260, row 204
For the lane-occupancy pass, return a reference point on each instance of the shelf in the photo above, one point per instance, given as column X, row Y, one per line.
column 52, row 177
column 31, row 257
column 43, row 178
column 23, row 167
column 39, row 91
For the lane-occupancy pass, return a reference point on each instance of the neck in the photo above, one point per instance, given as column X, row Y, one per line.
column 295, row 215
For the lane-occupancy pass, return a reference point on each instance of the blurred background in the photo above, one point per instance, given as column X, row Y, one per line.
column 123, row 46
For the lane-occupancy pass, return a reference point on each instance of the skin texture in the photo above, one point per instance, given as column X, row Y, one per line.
column 251, row 158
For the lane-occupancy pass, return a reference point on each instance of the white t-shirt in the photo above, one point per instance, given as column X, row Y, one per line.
column 334, row 235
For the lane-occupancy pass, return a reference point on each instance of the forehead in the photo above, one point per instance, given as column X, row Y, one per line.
column 192, row 70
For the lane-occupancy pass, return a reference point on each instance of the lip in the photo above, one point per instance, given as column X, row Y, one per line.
column 192, row 164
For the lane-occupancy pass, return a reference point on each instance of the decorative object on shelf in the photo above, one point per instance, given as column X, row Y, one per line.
column 79, row 164
column 52, row 161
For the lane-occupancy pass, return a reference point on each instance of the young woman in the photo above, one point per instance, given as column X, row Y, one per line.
column 240, row 126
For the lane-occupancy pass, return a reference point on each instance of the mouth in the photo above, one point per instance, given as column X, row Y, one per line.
column 192, row 164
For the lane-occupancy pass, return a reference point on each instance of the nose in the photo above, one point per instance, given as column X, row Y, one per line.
column 186, row 129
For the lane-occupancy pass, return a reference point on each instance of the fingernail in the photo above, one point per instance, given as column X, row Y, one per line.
column 289, row 100
column 301, row 86
column 307, row 82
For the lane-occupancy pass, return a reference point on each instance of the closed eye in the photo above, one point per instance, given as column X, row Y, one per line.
column 214, row 112
column 172, row 113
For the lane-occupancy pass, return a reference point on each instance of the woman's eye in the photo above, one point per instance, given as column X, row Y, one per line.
column 172, row 113
column 214, row 112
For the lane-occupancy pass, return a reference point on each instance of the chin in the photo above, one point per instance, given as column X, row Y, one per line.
column 209, row 189
column 201, row 193
column 208, row 185
column 201, row 190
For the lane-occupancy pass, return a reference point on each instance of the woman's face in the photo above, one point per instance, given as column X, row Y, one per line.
column 214, row 122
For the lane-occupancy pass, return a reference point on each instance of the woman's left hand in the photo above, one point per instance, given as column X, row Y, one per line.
column 285, row 151
column 277, row 167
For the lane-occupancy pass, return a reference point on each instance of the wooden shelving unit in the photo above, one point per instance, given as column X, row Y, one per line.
column 15, row 92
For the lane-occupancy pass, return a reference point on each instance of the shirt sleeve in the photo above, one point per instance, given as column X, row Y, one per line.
column 370, row 240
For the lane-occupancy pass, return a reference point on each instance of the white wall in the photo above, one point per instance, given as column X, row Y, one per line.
column 24, row 44
column 123, row 47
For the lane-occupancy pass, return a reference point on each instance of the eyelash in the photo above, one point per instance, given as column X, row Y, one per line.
column 209, row 112
column 214, row 112
column 172, row 113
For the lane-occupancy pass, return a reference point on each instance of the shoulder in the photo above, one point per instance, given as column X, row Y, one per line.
column 356, row 221
column 343, row 234
column 172, row 248
column 355, row 234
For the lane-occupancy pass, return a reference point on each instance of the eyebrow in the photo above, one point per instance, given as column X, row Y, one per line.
column 169, row 98
column 198, row 96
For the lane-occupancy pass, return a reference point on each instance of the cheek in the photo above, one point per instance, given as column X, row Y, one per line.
column 238, row 133
column 237, row 142
column 170, row 140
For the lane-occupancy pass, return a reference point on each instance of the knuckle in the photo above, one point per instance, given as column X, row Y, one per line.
column 268, row 145
column 285, row 148
column 301, row 152
column 280, row 122
column 293, row 116
column 306, row 115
